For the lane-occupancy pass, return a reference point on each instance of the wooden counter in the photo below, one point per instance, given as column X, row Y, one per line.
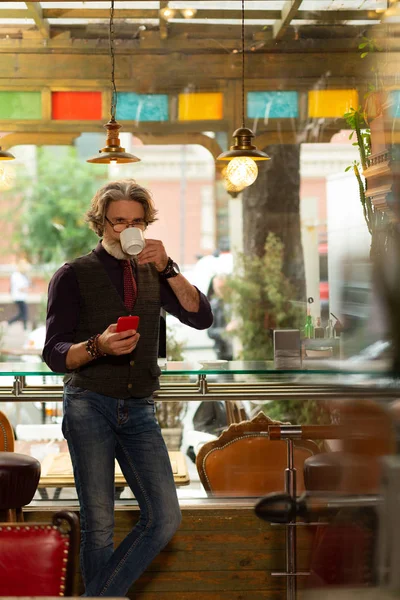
column 222, row 551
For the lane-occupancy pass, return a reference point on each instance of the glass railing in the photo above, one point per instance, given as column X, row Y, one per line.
column 237, row 367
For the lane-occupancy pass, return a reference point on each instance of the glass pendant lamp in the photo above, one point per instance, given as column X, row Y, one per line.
column 242, row 157
column 113, row 152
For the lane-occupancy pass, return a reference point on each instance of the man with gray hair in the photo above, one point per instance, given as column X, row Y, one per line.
column 110, row 378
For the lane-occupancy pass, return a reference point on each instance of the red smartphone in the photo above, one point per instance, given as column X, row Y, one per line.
column 126, row 323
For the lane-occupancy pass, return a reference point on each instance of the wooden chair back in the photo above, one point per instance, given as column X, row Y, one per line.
column 243, row 461
column 6, row 434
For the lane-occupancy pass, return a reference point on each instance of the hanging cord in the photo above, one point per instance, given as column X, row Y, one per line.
column 242, row 63
column 114, row 88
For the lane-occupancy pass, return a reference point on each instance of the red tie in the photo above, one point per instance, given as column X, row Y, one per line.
column 130, row 288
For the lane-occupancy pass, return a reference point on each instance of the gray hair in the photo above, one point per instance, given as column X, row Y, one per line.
column 125, row 189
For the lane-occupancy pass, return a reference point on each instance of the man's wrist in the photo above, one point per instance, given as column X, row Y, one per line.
column 92, row 347
column 171, row 270
column 165, row 266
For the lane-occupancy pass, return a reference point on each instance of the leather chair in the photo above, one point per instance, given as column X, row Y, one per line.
column 39, row 559
column 343, row 549
column 6, row 434
column 243, row 461
column 19, row 475
column 354, row 467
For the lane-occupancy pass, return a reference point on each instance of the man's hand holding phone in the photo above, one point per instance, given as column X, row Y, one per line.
column 121, row 337
column 127, row 323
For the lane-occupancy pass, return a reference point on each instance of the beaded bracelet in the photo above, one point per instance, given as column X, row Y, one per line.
column 92, row 347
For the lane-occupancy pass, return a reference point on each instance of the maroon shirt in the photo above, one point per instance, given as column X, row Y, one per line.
column 63, row 308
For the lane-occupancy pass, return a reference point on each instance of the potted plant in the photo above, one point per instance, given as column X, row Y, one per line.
column 261, row 298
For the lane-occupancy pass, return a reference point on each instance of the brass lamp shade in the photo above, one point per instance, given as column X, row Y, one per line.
column 113, row 152
column 4, row 155
column 243, row 147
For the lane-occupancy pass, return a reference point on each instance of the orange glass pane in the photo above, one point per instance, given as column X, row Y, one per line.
column 74, row 106
column 331, row 103
column 200, row 107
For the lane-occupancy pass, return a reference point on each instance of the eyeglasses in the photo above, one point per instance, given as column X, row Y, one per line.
column 121, row 225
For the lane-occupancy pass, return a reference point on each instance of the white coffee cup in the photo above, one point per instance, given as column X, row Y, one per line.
column 132, row 240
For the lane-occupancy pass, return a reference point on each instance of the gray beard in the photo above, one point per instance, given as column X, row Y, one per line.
column 113, row 247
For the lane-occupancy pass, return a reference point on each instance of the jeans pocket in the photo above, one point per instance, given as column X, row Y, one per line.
column 72, row 396
column 74, row 392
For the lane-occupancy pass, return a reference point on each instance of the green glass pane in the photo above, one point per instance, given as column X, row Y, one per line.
column 20, row 105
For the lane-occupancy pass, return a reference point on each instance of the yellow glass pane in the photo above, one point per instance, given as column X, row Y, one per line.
column 331, row 103
column 200, row 107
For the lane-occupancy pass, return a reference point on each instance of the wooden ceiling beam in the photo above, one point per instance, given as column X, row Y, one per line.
column 177, row 70
column 289, row 11
column 145, row 129
column 35, row 12
column 148, row 42
column 325, row 16
column 99, row 13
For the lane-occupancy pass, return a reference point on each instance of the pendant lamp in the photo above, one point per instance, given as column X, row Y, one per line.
column 113, row 152
column 4, row 155
column 242, row 157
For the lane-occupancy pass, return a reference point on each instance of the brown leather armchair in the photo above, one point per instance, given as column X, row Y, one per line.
column 366, row 432
column 243, row 461
column 343, row 546
column 6, row 434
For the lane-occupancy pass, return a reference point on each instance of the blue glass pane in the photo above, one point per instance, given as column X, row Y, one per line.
column 142, row 107
column 394, row 106
column 272, row 105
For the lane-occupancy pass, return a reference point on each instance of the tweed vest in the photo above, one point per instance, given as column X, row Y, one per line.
column 131, row 375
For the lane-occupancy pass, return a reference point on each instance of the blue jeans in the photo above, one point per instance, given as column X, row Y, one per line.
column 98, row 430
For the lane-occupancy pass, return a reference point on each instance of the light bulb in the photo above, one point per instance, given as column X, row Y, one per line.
column 229, row 186
column 189, row 13
column 242, row 171
column 167, row 13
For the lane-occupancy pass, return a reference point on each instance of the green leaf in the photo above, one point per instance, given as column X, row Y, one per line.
column 363, row 45
column 348, row 168
column 364, row 54
column 57, row 203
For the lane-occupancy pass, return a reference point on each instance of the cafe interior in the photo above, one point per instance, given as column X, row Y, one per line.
column 268, row 132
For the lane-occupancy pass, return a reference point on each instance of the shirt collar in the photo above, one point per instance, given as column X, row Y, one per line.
column 110, row 261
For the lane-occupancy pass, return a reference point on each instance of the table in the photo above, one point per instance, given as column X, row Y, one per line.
column 57, row 471
column 57, row 467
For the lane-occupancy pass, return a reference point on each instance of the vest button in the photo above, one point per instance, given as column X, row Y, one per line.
column 132, row 363
column 129, row 386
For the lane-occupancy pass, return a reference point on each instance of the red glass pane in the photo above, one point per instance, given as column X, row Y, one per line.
column 73, row 106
